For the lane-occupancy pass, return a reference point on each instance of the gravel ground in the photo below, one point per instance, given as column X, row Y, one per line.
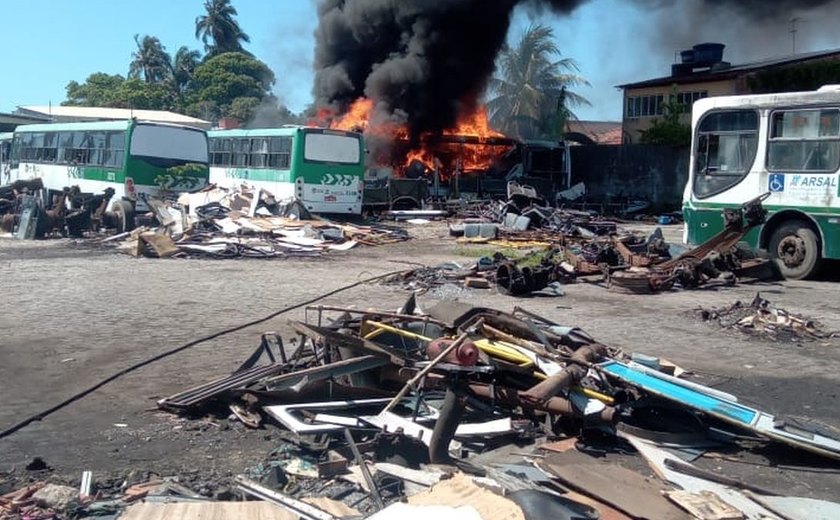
column 72, row 314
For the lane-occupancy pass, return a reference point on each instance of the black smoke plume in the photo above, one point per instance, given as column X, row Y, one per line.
column 425, row 61
column 421, row 61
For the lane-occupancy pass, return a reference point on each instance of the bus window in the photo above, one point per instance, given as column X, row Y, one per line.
column 114, row 149
column 332, row 148
column 169, row 145
column 259, row 153
column 241, row 150
column 725, row 150
column 280, row 152
column 97, row 148
column 804, row 141
column 49, row 151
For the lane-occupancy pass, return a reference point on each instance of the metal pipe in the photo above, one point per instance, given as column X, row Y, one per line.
column 395, row 315
column 383, row 327
column 447, row 423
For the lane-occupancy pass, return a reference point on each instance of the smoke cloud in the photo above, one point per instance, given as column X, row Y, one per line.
column 424, row 61
column 421, row 61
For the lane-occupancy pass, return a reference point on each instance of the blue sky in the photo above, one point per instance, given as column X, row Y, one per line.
column 613, row 41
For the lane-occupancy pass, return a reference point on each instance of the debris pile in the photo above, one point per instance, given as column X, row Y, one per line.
column 763, row 319
column 575, row 244
column 462, row 411
column 376, row 406
column 220, row 223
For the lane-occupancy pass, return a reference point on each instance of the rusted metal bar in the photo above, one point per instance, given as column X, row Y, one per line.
column 394, row 315
column 374, row 491
column 511, row 398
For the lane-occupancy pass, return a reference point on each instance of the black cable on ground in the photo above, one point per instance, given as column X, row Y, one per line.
column 162, row 355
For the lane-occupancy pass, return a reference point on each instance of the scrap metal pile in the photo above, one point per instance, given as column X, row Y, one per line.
column 576, row 244
column 762, row 318
column 381, row 408
column 30, row 211
column 220, row 223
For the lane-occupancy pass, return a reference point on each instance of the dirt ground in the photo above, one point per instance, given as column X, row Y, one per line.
column 72, row 315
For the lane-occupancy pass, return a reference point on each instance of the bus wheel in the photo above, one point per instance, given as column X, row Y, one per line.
column 123, row 215
column 795, row 248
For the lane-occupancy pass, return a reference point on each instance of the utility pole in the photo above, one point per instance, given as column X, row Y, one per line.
column 794, row 30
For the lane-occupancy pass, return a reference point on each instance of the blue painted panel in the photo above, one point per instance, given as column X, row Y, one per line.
column 681, row 394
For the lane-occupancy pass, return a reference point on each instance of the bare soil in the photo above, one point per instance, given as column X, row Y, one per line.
column 72, row 314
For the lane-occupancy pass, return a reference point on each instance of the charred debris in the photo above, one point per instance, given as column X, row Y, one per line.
column 474, row 411
column 566, row 245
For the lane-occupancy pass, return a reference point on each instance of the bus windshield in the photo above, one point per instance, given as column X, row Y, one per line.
column 331, row 148
column 170, row 145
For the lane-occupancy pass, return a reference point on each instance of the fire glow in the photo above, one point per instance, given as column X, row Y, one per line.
column 469, row 146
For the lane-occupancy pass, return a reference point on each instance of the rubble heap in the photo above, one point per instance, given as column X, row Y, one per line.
column 467, row 412
column 762, row 318
column 576, row 244
column 245, row 222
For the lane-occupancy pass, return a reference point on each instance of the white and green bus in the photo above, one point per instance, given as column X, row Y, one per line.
column 322, row 168
column 785, row 144
column 132, row 157
column 5, row 155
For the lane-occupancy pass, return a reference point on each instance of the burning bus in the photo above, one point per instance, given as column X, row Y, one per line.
column 468, row 161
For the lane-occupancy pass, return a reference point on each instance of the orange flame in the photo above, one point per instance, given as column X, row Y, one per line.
column 447, row 153
column 356, row 118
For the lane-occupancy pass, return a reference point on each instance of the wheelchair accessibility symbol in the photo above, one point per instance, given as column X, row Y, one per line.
column 777, row 182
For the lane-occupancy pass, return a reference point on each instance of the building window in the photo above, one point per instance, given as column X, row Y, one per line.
column 645, row 106
column 654, row 105
column 686, row 99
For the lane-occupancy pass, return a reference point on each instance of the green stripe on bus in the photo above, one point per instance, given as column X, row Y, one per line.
column 710, row 215
column 253, row 174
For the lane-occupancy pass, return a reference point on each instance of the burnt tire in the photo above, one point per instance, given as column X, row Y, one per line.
column 123, row 215
column 795, row 248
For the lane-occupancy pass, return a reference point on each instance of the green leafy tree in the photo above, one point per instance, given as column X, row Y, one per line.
column 243, row 108
column 670, row 130
column 135, row 93
column 183, row 66
column 795, row 78
column 219, row 30
column 531, row 95
column 98, row 90
column 150, row 61
column 223, row 78
column 105, row 90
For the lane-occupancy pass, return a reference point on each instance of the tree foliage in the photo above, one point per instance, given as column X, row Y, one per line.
column 150, row 61
column 105, row 90
column 184, row 64
column 226, row 82
column 219, row 30
column 531, row 95
column 226, row 77
column 796, row 78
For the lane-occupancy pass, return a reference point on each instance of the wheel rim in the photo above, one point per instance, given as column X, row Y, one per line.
column 792, row 251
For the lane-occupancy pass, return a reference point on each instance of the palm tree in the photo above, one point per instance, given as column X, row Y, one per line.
column 219, row 27
column 183, row 65
column 531, row 97
column 150, row 61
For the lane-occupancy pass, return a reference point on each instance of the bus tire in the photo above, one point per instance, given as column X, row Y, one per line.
column 796, row 250
column 123, row 215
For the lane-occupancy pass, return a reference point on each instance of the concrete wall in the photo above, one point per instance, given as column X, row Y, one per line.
column 636, row 171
